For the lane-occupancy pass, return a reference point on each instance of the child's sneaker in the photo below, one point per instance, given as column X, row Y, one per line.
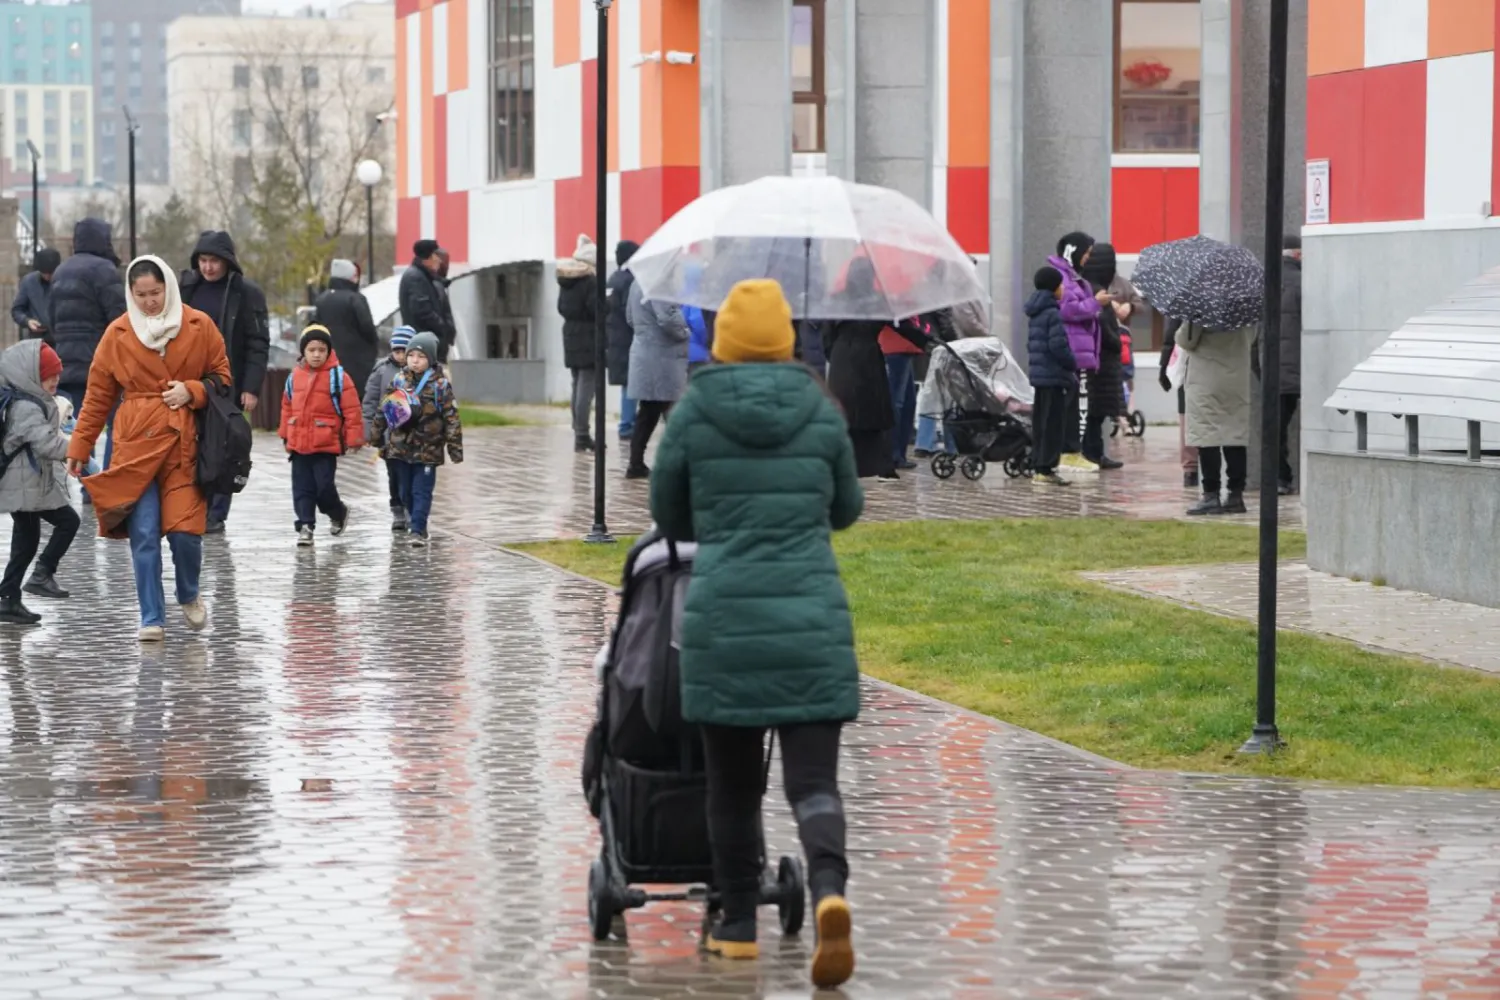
column 419, row 539
column 337, row 528
column 398, row 521
column 305, row 536
column 833, row 959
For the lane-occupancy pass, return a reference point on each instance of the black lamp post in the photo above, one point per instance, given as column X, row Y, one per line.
column 369, row 173
column 1265, row 738
column 36, row 195
column 131, row 126
column 600, row 533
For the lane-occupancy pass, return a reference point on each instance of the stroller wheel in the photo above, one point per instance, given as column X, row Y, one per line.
column 973, row 467
column 792, row 884
column 601, row 902
column 1114, row 429
column 1016, row 467
column 1137, row 423
column 943, row 465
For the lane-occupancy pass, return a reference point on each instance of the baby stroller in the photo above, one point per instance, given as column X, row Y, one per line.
column 984, row 401
column 643, row 770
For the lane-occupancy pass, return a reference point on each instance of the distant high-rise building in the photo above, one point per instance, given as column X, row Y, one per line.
column 45, row 92
column 130, row 70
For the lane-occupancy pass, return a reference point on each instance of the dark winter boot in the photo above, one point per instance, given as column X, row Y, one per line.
column 44, row 585
column 583, row 444
column 734, row 935
column 1208, row 505
column 1234, row 503
column 13, row 612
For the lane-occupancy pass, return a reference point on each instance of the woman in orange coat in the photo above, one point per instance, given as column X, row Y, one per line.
column 153, row 361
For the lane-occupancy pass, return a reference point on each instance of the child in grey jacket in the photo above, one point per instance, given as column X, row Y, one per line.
column 375, row 389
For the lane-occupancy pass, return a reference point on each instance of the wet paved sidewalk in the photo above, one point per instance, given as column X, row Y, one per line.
column 362, row 781
column 1383, row 618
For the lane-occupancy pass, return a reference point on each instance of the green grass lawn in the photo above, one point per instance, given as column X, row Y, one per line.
column 477, row 415
column 993, row 616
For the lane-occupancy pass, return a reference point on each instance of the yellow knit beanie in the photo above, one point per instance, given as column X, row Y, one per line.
column 754, row 324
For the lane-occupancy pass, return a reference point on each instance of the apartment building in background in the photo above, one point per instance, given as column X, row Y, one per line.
column 46, row 93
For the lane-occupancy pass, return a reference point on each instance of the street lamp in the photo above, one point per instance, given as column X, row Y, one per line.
column 36, row 195
column 600, row 532
column 369, row 174
column 131, row 127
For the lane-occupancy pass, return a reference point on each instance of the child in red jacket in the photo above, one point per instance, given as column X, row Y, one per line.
column 320, row 420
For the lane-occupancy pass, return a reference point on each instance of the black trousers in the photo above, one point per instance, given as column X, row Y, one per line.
column 1093, row 434
column 734, row 757
column 648, row 413
column 1288, row 414
column 26, row 535
column 1048, row 413
column 1073, row 424
column 314, row 489
column 1236, row 459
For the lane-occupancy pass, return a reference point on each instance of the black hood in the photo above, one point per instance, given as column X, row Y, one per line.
column 342, row 285
column 624, row 250
column 1100, row 269
column 92, row 236
column 215, row 243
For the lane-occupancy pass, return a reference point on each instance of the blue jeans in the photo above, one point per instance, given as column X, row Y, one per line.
column 417, row 482
column 627, row 413
column 930, row 436
column 144, row 525
column 903, row 402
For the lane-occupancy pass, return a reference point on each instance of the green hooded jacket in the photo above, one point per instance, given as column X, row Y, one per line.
column 756, row 467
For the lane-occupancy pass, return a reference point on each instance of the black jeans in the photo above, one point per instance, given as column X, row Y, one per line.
column 314, row 489
column 1047, row 415
column 26, row 535
column 1236, row 458
column 1288, row 414
column 1093, row 435
column 1072, row 424
column 734, row 757
column 648, row 414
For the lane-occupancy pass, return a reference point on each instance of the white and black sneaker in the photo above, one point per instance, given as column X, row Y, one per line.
column 337, row 527
column 419, row 539
column 305, row 536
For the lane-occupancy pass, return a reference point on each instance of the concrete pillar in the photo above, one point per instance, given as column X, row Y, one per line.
column 1051, row 122
column 839, row 61
column 745, row 90
column 894, row 99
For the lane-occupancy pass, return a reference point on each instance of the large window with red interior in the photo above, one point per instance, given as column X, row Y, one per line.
column 1158, row 74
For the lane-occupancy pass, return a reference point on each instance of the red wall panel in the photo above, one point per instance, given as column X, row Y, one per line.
column 573, row 199
column 1152, row 204
column 1335, row 132
column 969, row 207
column 652, row 196
column 408, row 227
column 1371, row 127
column 452, row 214
column 1180, row 206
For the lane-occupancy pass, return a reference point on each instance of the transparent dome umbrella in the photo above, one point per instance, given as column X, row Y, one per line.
column 807, row 233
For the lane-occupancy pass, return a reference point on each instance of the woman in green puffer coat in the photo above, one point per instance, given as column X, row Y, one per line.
column 756, row 467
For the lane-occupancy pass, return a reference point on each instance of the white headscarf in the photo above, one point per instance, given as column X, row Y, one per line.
column 159, row 330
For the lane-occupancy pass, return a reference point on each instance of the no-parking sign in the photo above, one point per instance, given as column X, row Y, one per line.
column 1317, row 193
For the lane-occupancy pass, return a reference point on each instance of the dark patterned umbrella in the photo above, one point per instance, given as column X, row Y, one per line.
column 1202, row 281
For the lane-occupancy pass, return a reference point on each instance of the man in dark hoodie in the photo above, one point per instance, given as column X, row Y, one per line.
column 29, row 309
column 216, row 285
column 346, row 314
column 87, row 295
column 424, row 297
column 620, row 333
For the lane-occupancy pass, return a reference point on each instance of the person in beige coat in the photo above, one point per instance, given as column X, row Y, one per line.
column 1216, row 392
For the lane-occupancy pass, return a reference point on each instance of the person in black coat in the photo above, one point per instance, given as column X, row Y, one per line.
column 215, row 284
column 619, row 333
column 423, row 297
column 346, row 314
column 29, row 309
column 1053, row 371
column 577, row 291
column 87, row 295
column 1106, row 384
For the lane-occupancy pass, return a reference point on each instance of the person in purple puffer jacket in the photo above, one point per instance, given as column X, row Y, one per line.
column 1080, row 315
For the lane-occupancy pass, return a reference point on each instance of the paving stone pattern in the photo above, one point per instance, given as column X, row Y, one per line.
column 362, row 781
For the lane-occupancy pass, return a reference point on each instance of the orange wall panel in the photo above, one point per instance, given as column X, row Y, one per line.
column 567, row 37
column 651, row 84
column 968, row 83
column 1335, row 36
column 1458, row 27
column 679, row 98
column 458, row 45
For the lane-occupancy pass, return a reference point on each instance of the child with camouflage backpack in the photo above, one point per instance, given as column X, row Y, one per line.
column 417, row 420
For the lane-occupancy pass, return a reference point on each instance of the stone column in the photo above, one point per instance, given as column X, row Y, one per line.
column 745, row 90
column 894, row 106
column 839, row 60
column 1008, row 285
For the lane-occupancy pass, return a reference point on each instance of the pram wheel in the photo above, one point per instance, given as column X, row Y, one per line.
column 791, row 884
column 1016, row 466
column 973, row 467
column 601, row 902
column 1137, row 423
column 943, row 465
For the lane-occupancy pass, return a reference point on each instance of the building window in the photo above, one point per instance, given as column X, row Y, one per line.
column 375, row 74
column 273, row 76
column 242, row 77
column 23, row 154
column 135, row 93
column 808, row 97
column 77, row 153
column 49, row 151
column 49, row 75
column 512, row 111
column 310, row 77
column 49, row 27
column 242, row 127
column 310, row 130
column 18, row 74
column 49, row 126
column 135, row 29
column 107, row 128
column 51, row 101
column 107, row 29
column 75, row 26
column 1158, row 72
column 108, row 79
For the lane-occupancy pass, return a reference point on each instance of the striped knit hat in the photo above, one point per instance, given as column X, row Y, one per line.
column 401, row 336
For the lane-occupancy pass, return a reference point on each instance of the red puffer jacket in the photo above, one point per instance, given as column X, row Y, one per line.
column 311, row 422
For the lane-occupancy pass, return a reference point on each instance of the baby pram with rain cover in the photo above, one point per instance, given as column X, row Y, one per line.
column 983, row 398
column 643, row 770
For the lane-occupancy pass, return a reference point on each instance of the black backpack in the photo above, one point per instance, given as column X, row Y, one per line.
column 8, row 397
column 223, row 442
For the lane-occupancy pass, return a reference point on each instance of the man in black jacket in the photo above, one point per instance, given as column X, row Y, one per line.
column 29, row 309
column 87, row 295
column 346, row 313
column 424, row 300
column 618, row 333
column 215, row 284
